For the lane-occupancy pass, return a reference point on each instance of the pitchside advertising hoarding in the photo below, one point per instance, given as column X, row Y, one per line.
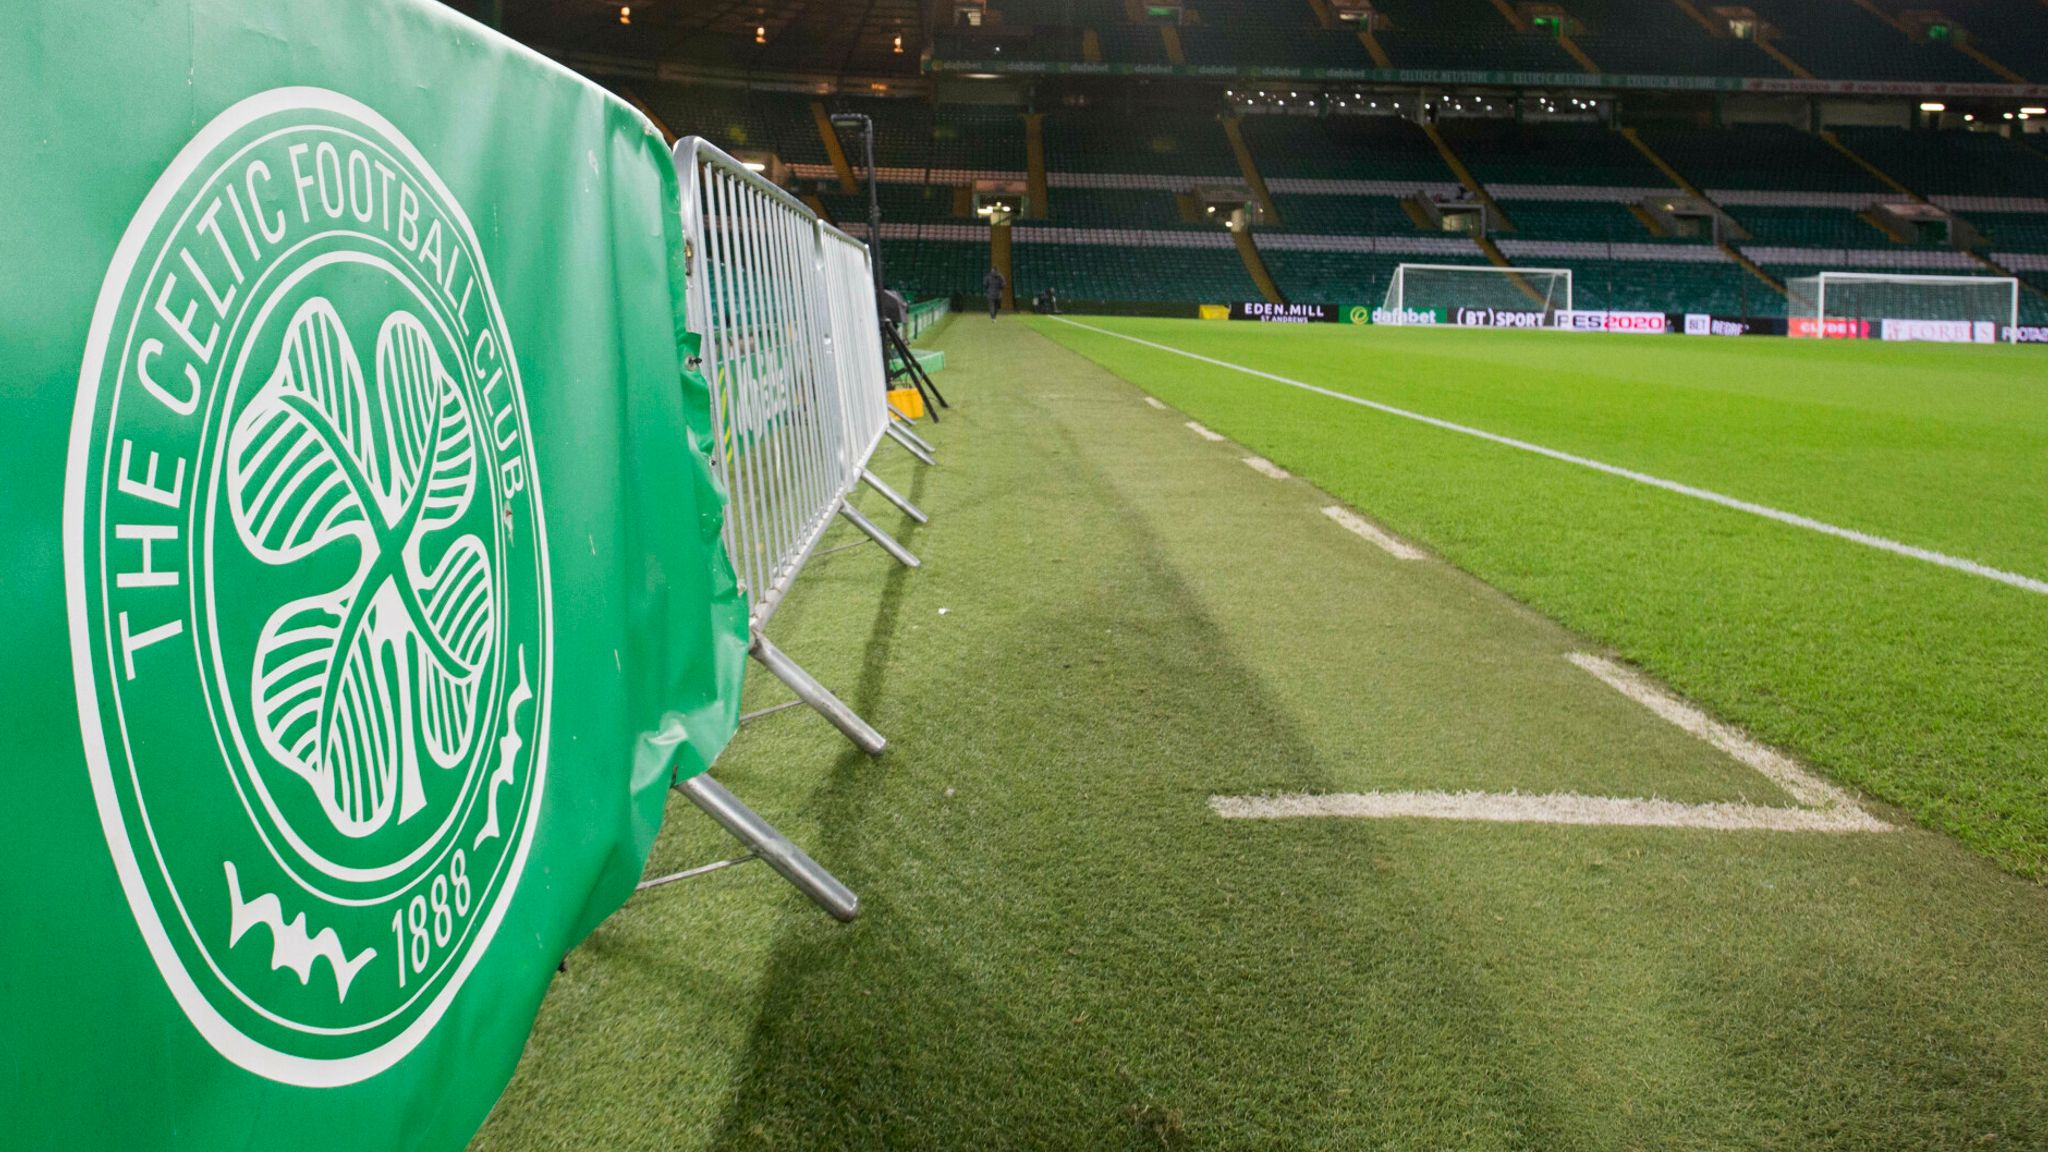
column 1497, row 318
column 1704, row 324
column 1648, row 323
column 1595, row 321
column 1262, row 311
column 1269, row 313
column 363, row 564
column 1931, row 331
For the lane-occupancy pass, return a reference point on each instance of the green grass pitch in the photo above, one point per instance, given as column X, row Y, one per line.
column 1064, row 947
column 1923, row 686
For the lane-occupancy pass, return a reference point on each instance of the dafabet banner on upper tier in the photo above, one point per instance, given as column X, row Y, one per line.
column 362, row 562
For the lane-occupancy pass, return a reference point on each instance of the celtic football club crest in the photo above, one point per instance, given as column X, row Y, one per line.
column 308, row 588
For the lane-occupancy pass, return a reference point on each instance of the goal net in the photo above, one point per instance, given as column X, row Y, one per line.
column 1897, row 306
column 1475, row 294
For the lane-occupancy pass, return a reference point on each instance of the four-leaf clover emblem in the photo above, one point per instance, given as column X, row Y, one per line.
column 353, row 685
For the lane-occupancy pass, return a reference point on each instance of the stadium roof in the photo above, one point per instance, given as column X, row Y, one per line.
column 830, row 38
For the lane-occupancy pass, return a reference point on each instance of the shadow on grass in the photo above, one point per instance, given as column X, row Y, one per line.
column 1061, row 947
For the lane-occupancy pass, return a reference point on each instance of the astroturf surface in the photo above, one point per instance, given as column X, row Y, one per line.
column 1924, row 686
column 1063, row 947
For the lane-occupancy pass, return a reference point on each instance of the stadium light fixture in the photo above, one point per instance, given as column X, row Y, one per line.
column 625, row 13
column 1933, row 106
column 2008, row 115
column 898, row 48
column 2031, row 110
column 753, row 166
column 760, row 33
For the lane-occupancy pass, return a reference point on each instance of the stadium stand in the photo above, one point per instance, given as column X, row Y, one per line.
column 1127, row 137
column 1791, row 226
column 1345, row 215
column 1953, row 163
column 1581, row 221
column 738, row 120
column 1564, row 154
column 1758, row 156
column 1128, row 266
column 1840, row 39
column 1378, row 148
column 2014, row 36
column 1632, row 37
column 1357, row 179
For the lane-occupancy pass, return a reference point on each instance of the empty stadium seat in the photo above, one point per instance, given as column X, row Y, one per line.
column 1512, row 152
column 1127, row 273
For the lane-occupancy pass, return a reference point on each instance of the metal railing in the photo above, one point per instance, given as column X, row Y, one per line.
column 925, row 314
column 790, row 341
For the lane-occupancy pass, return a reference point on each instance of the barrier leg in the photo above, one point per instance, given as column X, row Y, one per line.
column 909, row 426
column 903, row 555
column 910, row 441
column 769, row 846
column 901, row 419
column 818, row 696
column 893, row 497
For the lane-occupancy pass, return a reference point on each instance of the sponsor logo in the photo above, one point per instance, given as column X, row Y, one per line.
column 1833, row 328
column 1407, row 316
column 1700, row 324
column 1597, row 321
column 2026, row 334
column 308, row 593
column 1939, row 331
column 1283, row 313
column 1498, row 318
column 1359, row 314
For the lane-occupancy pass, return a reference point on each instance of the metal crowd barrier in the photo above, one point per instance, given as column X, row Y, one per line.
column 924, row 314
column 790, row 342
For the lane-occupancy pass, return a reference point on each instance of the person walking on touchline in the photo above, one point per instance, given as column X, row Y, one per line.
column 993, row 285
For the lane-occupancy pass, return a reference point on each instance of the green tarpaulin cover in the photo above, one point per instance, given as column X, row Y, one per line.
column 363, row 582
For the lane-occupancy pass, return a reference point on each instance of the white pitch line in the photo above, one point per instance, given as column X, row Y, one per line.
column 1550, row 808
column 1881, row 543
column 1822, row 806
column 1265, row 467
column 1155, row 402
column 1393, row 546
column 1775, row 766
column 1204, row 433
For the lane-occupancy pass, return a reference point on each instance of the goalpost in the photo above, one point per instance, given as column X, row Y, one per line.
column 1902, row 306
column 1475, row 291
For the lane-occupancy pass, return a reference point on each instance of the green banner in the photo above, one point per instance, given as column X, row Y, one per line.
column 364, row 582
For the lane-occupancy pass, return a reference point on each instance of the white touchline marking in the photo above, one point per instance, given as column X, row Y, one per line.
column 1777, row 767
column 1204, row 433
column 1155, row 402
column 1550, row 808
column 1822, row 807
column 1265, row 467
column 1394, row 546
column 1881, row 543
